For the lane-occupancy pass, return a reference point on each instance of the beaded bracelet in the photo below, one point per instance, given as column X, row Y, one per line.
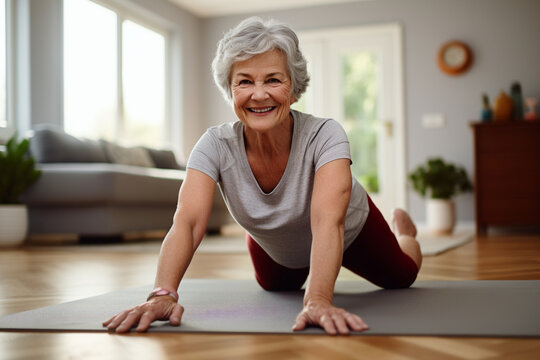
column 162, row 292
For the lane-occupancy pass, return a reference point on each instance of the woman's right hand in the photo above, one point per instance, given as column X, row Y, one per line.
column 157, row 308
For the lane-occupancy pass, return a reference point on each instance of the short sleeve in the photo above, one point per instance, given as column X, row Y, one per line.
column 205, row 156
column 331, row 143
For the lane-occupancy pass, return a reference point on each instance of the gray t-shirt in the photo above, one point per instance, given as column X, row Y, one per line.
column 279, row 221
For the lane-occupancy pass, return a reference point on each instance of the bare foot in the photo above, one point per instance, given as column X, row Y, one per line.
column 402, row 223
column 405, row 232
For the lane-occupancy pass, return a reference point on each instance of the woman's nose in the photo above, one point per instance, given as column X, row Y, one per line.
column 259, row 92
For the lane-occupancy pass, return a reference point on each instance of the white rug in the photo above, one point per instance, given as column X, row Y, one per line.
column 434, row 245
column 211, row 244
column 223, row 244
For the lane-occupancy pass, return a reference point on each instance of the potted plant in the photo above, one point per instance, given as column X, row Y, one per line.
column 440, row 181
column 17, row 173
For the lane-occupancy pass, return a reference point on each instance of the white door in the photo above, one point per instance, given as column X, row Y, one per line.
column 356, row 78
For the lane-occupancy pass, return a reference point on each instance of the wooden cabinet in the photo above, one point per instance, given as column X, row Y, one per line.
column 506, row 174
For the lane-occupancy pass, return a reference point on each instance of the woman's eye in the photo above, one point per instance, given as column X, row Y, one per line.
column 244, row 82
column 274, row 81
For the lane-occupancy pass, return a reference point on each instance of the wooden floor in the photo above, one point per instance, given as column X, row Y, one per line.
column 32, row 278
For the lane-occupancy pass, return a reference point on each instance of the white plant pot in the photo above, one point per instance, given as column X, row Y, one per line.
column 441, row 216
column 13, row 224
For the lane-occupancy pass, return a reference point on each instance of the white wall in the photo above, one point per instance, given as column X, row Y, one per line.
column 503, row 35
column 38, row 62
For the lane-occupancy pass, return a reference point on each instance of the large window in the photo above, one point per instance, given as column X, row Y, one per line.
column 114, row 76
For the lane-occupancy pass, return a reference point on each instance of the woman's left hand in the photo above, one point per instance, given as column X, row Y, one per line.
column 332, row 319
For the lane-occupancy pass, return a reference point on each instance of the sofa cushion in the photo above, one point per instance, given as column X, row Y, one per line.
column 98, row 184
column 164, row 159
column 136, row 156
column 50, row 144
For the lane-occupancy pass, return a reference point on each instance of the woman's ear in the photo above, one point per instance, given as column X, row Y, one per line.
column 292, row 99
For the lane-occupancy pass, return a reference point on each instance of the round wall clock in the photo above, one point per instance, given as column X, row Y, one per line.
column 454, row 58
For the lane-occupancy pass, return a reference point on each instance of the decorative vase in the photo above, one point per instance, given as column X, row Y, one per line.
column 441, row 216
column 503, row 108
column 13, row 224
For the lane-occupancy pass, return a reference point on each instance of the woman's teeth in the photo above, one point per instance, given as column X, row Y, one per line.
column 261, row 110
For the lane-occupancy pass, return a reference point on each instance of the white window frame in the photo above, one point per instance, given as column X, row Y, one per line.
column 7, row 131
column 123, row 13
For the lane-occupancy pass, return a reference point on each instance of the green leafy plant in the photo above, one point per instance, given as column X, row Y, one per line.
column 439, row 180
column 17, row 170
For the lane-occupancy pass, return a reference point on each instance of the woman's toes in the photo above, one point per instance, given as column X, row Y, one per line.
column 402, row 223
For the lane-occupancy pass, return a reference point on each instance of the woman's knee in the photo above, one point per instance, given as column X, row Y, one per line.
column 399, row 283
column 402, row 280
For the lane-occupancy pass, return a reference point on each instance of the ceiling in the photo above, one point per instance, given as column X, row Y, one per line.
column 211, row 8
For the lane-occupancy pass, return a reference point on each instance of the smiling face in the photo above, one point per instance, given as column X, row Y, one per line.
column 261, row 90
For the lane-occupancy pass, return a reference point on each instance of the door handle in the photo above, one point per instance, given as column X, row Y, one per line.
column 388, row 126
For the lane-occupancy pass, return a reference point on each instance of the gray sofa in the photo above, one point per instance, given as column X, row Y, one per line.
column 102, row 190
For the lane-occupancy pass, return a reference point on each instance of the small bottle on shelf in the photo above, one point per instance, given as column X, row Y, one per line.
column 487, row 113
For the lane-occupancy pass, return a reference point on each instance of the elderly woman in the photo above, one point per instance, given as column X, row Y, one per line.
column 286, row 179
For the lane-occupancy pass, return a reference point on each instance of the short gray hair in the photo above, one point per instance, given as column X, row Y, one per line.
column 254, row 36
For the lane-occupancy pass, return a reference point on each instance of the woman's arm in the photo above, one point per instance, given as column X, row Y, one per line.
column 330, row 199
column 189, row 225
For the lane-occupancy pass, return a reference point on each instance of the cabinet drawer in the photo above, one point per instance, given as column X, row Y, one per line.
column 507, row 173
column 508, row 139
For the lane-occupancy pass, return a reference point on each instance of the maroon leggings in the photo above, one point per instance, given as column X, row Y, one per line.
column 375, row 255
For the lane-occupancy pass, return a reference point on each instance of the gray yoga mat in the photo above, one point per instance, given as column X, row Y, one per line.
column 443, row 308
